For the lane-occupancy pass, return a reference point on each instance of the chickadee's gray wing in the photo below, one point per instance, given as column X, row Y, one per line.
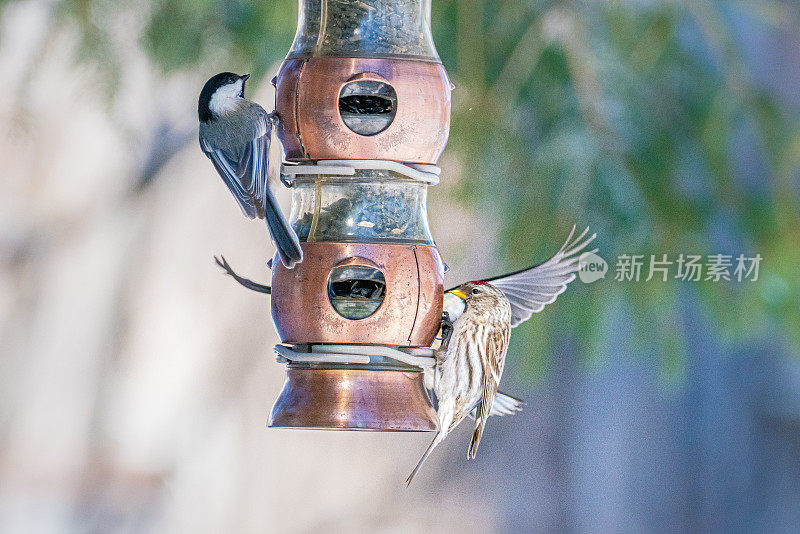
column 227, row 170
column 256, row 157
column 254, row 163
column 245, row 173
column 530, row 290
column 247, row 178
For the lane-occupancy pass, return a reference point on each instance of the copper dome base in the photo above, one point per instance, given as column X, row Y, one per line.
column 353, row 399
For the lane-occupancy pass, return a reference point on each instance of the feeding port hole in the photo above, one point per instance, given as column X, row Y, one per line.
column 367, row 107
column 356, row 291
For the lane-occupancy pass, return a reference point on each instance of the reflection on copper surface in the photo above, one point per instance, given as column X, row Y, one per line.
column 409, row 315
column 354, row 399
column 311, row 126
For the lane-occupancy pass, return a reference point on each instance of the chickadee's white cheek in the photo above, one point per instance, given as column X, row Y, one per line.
column 226, row 98
column 454, row 305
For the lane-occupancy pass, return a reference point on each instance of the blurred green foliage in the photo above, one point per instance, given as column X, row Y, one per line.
column 625, row 116
column 188, row 34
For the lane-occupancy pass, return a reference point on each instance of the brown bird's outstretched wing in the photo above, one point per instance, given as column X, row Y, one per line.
column 494, row 361
column 530, row 290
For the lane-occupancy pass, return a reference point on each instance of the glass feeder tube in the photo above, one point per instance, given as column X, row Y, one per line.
column 364, row 28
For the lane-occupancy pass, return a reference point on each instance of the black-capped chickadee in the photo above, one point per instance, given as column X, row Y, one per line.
column 235, row 135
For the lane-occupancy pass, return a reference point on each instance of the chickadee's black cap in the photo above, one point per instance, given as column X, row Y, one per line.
column 214, row 83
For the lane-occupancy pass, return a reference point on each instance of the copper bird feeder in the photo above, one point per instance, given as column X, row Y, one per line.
column 364, row 108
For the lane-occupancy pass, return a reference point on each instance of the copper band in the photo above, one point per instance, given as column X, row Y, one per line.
column 311, row 128
column 353, row 399
column 410, row 314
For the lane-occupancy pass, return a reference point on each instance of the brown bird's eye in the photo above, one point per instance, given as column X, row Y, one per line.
column 475, row 291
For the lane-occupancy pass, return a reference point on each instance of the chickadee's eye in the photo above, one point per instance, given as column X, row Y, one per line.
column 475, row 291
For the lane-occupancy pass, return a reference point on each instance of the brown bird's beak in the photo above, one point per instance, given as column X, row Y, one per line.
column 460, row 294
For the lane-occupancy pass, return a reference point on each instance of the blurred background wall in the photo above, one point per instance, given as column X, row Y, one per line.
column 135, row 379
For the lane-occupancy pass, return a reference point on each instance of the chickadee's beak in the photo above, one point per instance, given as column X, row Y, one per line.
column 460, row 294
column 245, row 77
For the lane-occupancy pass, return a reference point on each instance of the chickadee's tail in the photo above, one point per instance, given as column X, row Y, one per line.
column 284, row 236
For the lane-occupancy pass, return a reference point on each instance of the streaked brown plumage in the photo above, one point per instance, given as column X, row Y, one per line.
column 469, row 366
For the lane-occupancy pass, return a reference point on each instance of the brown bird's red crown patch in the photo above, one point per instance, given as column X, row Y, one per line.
column 479, row 282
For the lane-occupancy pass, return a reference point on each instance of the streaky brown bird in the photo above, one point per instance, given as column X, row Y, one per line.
column 469, row 364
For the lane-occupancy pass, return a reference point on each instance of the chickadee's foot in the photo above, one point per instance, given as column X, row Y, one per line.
column 249, row 284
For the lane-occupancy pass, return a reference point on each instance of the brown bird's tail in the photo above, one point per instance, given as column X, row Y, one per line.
column 438, row 439
column 483, row 411
column 476, row 439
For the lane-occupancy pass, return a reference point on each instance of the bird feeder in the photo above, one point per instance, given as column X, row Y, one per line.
column 364, row 109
